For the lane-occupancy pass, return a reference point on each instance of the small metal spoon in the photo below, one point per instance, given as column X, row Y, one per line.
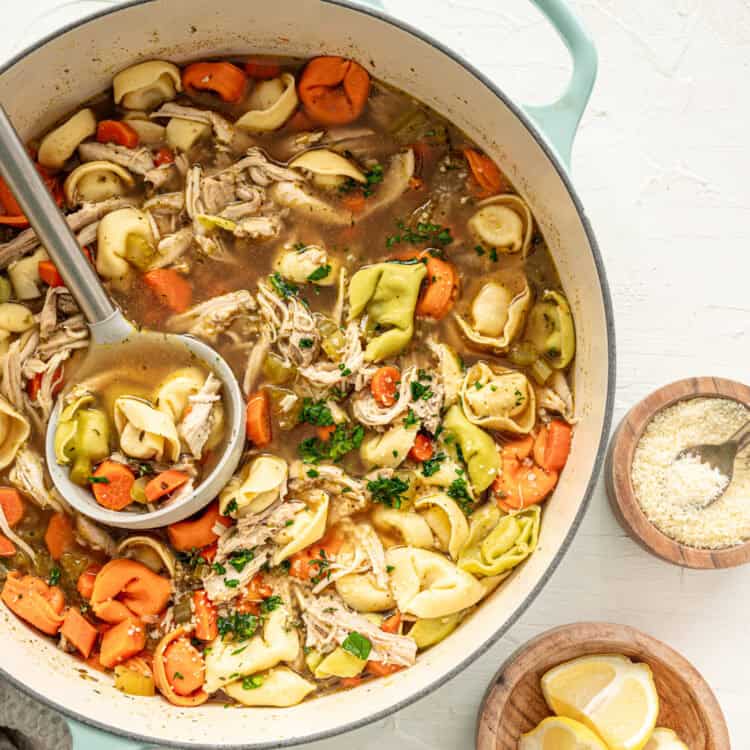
column 720, row 457
column 109, row 328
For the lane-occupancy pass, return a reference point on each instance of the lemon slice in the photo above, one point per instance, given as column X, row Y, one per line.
column 610, row 694
column 665, row 739
column 559, row 733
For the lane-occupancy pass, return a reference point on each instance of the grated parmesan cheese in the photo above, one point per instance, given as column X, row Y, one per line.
column 673, row 493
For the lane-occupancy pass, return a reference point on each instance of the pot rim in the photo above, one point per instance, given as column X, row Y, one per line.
column 562, row 173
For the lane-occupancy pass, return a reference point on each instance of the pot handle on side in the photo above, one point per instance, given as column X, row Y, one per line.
column 559, row 120
column 86, row 737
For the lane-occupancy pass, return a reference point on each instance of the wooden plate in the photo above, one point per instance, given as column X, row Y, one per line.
column 514, row 703
column 619, row 482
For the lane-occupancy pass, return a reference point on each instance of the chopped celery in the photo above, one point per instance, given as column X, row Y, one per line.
column 81, row 470
column 138, row 490
column 276, row 371
column 131, row 682
column 540, row 371
column 334, row 341
column 183, row 610
column 523, row 354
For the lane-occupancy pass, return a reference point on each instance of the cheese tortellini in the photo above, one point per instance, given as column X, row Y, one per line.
column 182, row 134
column 259, row 484
column 145, row 432
column 272, row 103
column 24, row 275
column 409, row 527
column 328, row 168
column 550, row 328
column 311, row 264
column 60, row 144
column 388, row 449
column 426, row 584
column 279, row 687
column 362, row 592
column 499, row 399
column 503, row 223
column 124, row 239
column 96, row 181
column 446, row 520
column 14, row 431
column 14, row 319
column 307, row 527
column 147, row 85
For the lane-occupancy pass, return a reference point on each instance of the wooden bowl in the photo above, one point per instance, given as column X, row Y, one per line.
column 514, row 703
column 617, row 472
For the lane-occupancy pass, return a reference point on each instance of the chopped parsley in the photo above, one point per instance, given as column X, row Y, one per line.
column 300, row 247
column 316, row 413
column 320, row 273
column 411, row 419
column 239, row 625
column 178, row 676
column 192, row 558
column 270, row 603
column 313, row 473
column 306, row 343
column 420, row 391
column 231, row 583
column 252, row 683
column 425, row 233
column 357, row 645
column 323, row 565
column 98, row 480
column 54, row 576
column 373, row 176
column 388, row 491
column 459, row 491
column 241, row 558
column 343, row 440
column 218, row 568
column 283, row 287
column 432, row 465
column 231, row 507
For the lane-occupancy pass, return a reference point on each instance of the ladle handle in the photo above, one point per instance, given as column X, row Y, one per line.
column 50, row 226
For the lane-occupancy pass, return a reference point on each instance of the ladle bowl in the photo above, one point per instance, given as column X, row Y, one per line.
column 109, row 328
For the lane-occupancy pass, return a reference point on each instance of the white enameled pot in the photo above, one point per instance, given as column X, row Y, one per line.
column 54, row 76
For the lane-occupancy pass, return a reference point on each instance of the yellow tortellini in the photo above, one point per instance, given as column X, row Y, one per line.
column 498, row 542
column 328, row 168
column 14, row 318
column 388, row 449
column 96, row 181
column 362, row 592
column 428, row 632
column 307, row 527
column 24, row 275
column 226, row 660
column 451, row 371
column 145, row 432
column 503, row 222
column 182, row 134
column 311, row 264
column 427, row 584
column 550, row 328
column 339, row 663
column 279, row 687
column 446, row 520
column 150, row 133
column 499, row 399
column 272, row 103
column 497, row 316
column 60, row 144
column 258, row 485
column 410, row 527
column 14, row 431
column 388, row 292
column 147, row 85
column 477, row 447
column 124, row 238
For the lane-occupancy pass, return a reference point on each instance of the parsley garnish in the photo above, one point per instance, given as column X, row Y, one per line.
column 251, row 683
column 313, row 473
column 191, row 559
column 98, row 480
column 231, row 583
column 419, row 390
column 432, row 465
column 179, row 676
column 459, row 491
column 270, row 603
column 424, row 233
column 323, row 564
column 357, row 645
column 306, row 343
column 388, row 491
column 411, row 419
column 283, row 288
column 240, row 559
column 240, row 625
column 219, row 569
column 343, row 439
column 54, row 576
column 320, row 273
column 231, row 507
column 316, row 413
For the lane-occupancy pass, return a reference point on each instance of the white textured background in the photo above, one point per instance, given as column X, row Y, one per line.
column 662, row 164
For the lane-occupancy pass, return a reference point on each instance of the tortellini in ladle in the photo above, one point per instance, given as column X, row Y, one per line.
column 258, row 485
column 60, row 144
column 272, row 103
column 308, row 265
column 550, row 328
column 497, row 316
column 145, row 432
column 497, row 398
column 14, row 431
column 147, row 85
column 504, row 223
column 124, row 238
column 96, row 181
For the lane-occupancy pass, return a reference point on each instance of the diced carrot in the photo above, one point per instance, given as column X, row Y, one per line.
column 378, row 669
column 18, row 221
column 384, row 385
column 184, row 665
column 164, row 483
column 354, row 201
column 422, row 449
column 163, row 676
column 324, row 432
column 350, row 682
column 34, row 383
column 334, row 90
column 306, row 563
column 59, row 536
column 262, row 69
column 85, row 583
column 163, row 156
column 520, row 448
column 126, row 588
column 416, row 183
column 485, row 172
column 424, row 155
column 197, row 532
column 552, row 445
column 113, row 494
column 12, row 505
column 114, row 131
column 258, row 425
column 49, row 274
column 79, row 631
column 8, row 200
column 223, row 78
column 441, row 287
column 7, row 548
column 299, row 122
column 11, row 214
column 208, row 553
column 206, row 618
column 121, row 642
column 33, row 600
column 391, row 624
column 172, row 289
column 258, row 589
column 521, row 483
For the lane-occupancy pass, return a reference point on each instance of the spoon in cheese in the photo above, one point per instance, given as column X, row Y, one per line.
column 109, row 329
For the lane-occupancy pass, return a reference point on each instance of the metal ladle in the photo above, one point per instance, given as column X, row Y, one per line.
column 109, row 328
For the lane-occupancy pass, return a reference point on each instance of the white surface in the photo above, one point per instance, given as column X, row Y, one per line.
column 661, row 164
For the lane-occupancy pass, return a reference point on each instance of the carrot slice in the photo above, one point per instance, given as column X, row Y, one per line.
column 354, row 202
column 164, row 483
column 33, row 600
column 223, row 78
column 422, row 449
column 552, row 445
column 350, row 682
column 172, row 289
column 59, row 536
column 378, row 669
column 184, row 667
column 49, row 274
column 258, row 426
column 121, row 642
column 520, row 448
column 306, row 563
column 195, row 533
column 160, row 673
column 324, row 433
column 34, row 384
column 391, row 624
column 206, row 618
column 163, row 156
column 12, row 505
column 114, row 131
column 7, row 548
column 115, row 492
column 521, row 483
column 12, row 215
column 79, row 631
column 485, row 172
column 209, row 553
column 440, row 289
column 384, row 385
column 334, row 90
column 85, row 583
column 262, row 69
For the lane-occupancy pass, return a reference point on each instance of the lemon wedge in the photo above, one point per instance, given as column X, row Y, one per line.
column 559, row 733
column 610, row 694
column 665, row 739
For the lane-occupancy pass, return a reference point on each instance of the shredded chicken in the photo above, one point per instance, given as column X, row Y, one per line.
column 258, row 228
column 255, row 361
column 13, row 383
column 27, row 475
column 369, row 412
column 172, row 247
column 213, row 317
column 197, row 425
column 263, row 171
column 347, row 495
column 328, row 374
column 137, row 160
column 93, row 536
column 223, row 129
column 174, row 202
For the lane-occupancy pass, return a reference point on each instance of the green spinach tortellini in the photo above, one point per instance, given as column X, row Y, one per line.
column 498, row 542
column 550, row 328
column 388, row 292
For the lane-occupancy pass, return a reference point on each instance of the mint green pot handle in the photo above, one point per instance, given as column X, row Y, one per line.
column 559, row 120
column 86, row 737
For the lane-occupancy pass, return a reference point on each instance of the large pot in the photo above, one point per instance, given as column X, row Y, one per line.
column 54, row 76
